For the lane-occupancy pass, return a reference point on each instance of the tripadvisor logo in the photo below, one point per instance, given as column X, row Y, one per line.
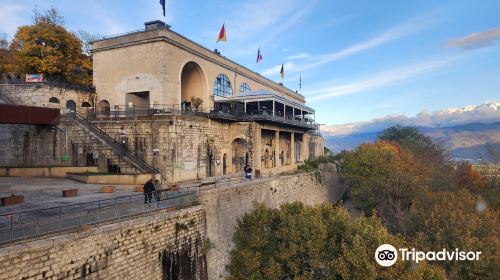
column 387, row 255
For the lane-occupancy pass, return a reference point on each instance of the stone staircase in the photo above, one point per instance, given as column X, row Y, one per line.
column 139, row 163
column 6, row 99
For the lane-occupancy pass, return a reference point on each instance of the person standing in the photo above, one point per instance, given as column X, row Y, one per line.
column 248, row 173
column 148, row 188
column 158, row 189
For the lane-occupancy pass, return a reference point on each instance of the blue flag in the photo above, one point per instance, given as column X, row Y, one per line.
column 162, row 3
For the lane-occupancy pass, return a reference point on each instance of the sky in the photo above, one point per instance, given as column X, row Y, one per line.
column 358, row 60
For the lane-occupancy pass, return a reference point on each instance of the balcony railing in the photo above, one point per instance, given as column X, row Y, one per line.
column 238, row 114
column 219, row 112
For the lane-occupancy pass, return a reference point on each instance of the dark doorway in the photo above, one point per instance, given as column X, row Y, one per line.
column 224, row 164
column 71, row 105
column 137, row 101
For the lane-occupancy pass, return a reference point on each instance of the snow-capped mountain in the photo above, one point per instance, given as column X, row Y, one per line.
column 488, row 112
column 469, row 132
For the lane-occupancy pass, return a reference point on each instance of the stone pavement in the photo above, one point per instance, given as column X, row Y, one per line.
column 42, row 193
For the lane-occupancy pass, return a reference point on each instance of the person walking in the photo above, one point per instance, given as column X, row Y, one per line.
column 248, row 173
column 148, row 188
column 158, row 189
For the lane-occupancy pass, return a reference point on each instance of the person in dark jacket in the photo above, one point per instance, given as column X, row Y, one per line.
column 148, row 188
column 248, row 172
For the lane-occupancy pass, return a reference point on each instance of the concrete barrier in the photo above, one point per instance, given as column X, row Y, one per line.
column 115, row 179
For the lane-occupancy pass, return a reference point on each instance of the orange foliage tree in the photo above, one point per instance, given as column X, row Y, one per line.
column 47, row 47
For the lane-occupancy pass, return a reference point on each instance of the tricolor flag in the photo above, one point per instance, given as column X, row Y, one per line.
column 222, row 35
column 162, row 3
column 259, row 56
column 282, row 72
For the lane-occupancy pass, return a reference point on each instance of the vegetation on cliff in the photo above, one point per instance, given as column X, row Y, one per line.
column 411, row 194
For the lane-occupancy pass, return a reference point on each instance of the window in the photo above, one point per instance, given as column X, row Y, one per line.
column 54, row 100
column 222, row 86
column 244, row 87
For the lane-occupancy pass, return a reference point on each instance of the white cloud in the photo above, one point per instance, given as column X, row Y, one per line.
column 379, row 80
column 476, row 40
column 258, row 23
column 298, row 56
column 288, row 67
column 394, row 33
column 485, row 113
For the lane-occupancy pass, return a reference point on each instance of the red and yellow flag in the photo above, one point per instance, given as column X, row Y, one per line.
column 222, row 35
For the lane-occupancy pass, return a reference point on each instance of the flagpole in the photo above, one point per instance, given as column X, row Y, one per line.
column 225, row 41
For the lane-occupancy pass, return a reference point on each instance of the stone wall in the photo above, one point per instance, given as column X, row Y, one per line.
column 225, row 205
column 162, row 245
column 40, row 94
column 69, row 145
column 30, row 145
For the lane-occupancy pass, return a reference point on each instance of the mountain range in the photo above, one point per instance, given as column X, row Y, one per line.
column 471, row 132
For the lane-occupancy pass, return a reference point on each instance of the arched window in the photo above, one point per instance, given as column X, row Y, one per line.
column 54, row 100
column 85, row 105
column 244, row 87
column 103, row 107
column 222, row 86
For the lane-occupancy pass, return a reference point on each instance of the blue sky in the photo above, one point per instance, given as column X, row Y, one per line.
column 358, row 59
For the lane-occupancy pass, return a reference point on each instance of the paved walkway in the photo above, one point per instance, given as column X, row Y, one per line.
column 47, row 192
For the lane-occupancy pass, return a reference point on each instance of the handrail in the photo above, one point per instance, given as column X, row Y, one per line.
column 115, row 145
column 18, row 225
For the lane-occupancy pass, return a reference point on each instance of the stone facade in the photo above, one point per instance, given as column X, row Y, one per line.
column 192, row 147
column 154, row 61
column 162, row 245
column 43, row 95
column 189, row 147
column 29, row 145
column 225, row 205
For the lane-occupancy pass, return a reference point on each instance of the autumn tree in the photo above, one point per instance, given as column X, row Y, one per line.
column 6, row 59
column 323, row 242
column 47, row 47
column 426, row 151
column 386, row 177
column 460, row 220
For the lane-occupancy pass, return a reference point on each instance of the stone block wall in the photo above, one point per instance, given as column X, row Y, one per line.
column 185, row 143
column 30, row 145
column 225, row 205
column 162, row 245
column 34, row 146
column 39, row 95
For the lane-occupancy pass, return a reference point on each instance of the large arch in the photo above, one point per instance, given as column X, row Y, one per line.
column 193, row 84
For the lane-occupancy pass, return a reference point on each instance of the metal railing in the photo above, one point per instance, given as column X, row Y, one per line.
column 121, row 111
column 234, row 114
column 15, row 226
column 118, row 148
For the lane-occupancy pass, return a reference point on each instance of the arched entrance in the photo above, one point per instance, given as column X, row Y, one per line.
column 192, row 85
column 103, row 107
column 71, row 105
column 239, row 147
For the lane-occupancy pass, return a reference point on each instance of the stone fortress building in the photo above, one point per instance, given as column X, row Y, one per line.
column 165, row 104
